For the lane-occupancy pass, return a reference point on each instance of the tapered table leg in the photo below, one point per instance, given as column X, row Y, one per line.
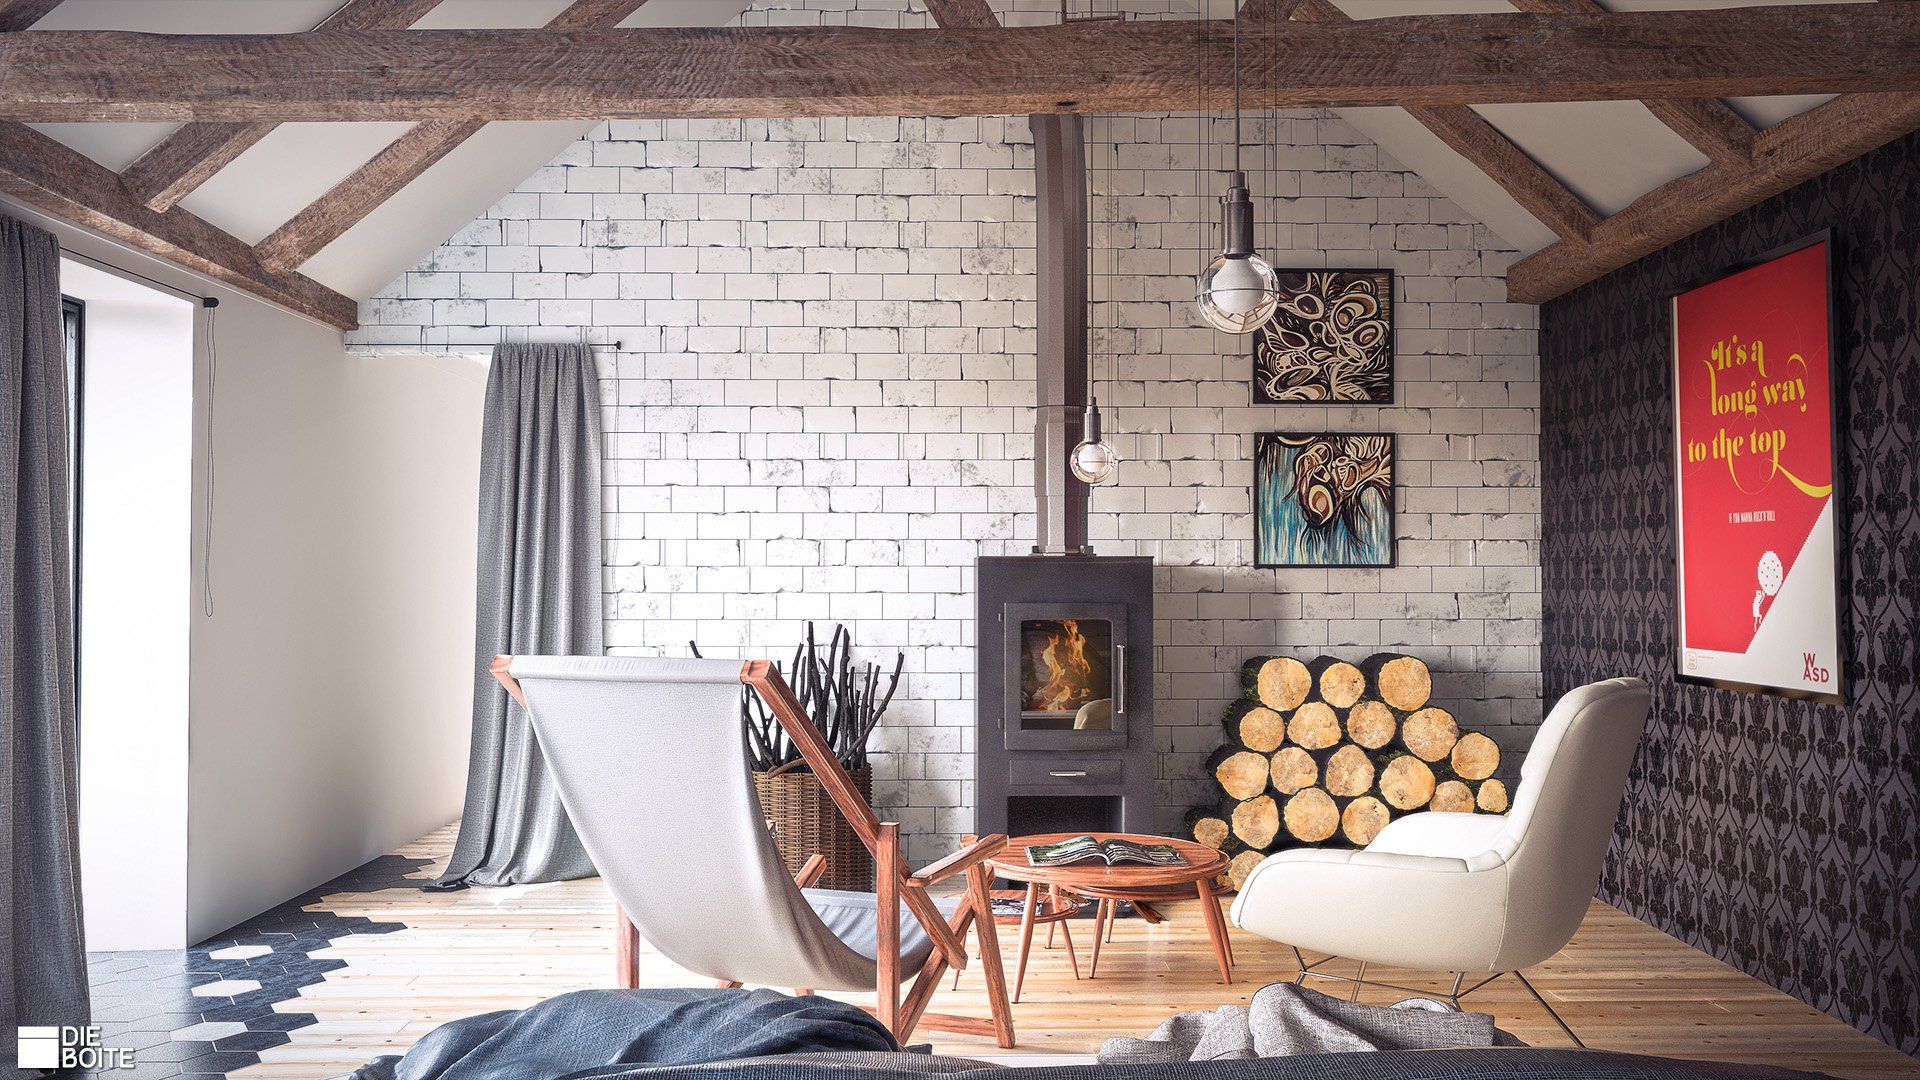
column 1216, row 928
column 1026, row 938
column 1100, row 916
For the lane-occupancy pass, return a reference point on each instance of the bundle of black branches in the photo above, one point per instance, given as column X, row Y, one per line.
column 842, row 698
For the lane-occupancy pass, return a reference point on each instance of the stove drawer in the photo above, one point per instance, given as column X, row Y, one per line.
column 1065, row 771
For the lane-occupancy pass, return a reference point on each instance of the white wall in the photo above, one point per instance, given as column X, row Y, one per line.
column 330, row 690
column 332, row 684
column 823, row 404
column 136, row 583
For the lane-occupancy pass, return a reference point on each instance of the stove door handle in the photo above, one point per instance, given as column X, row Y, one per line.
column 1120, row 682
column 1067, row 774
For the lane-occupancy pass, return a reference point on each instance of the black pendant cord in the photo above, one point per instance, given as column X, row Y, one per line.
column 1236, row 89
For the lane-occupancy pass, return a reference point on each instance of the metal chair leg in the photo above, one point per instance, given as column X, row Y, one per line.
column 1551, row 1011
column 1358, row 981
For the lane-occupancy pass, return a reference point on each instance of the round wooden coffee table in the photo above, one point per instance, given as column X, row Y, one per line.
column 1142, row 886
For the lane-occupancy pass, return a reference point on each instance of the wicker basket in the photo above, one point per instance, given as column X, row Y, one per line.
column 806, row 823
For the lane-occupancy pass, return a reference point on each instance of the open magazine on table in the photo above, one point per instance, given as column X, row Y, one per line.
column 1111, row 852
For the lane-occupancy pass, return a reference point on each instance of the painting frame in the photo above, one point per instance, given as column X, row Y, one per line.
column 1267, row 463
column 1263, row 373
column 1696, row 665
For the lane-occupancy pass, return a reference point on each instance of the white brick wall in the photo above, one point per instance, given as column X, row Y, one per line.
column 823, row 405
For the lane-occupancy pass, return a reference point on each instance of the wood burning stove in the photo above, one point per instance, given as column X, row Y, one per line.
column 1065, row 694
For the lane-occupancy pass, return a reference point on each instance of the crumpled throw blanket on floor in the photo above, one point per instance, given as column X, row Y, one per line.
column 593, row 1033
column 1285, row 1019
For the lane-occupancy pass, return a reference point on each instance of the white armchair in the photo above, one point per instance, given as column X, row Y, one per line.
column 1468, row 893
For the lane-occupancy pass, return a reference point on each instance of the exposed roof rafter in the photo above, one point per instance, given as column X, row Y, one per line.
column 1470, row 136
column 1790, row 152
column 349, row 202
column 21, row 14
column 963, row 14
column 190, row 156
column 43, row 172
column 1709, row 124
column 1104, row 66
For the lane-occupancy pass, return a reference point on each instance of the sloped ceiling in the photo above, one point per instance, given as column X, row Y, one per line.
column 1607, row 153
column 278, row 177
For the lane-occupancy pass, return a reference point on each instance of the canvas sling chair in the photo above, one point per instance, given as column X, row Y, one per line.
column 650, row 761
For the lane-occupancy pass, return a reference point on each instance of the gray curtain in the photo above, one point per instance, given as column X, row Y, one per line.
column 43, row 955
column 539, row 593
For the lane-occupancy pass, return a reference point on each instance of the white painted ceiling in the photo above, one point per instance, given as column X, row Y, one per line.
column 1609, row 153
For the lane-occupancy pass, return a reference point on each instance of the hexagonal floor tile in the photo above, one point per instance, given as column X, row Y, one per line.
column 208, row 1031
column 239, row 952
column 226, row 988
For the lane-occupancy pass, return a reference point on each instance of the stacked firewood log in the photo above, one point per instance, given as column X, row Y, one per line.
column 1327, row 752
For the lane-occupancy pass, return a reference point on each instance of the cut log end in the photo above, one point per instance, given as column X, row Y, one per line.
column 1312, row 816
column 1492, row 797
column 1407, row 783
column 1403, row 682
column 1430, row 734
column 1349, row 772
column 1241, row 866
column 1256, row 821
column 1281, row 682
column 1363, row 819
column 1452, row 797
column 1262, row 729
column 1293, row 769
column 1371, row 724
column 1243, row 774
column 1212, row 831
column 1314, row 726
column 1341, row 684
column 1475, row 757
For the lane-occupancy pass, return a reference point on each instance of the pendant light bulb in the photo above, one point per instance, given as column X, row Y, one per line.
column 1238, row 290
column 1094, row 460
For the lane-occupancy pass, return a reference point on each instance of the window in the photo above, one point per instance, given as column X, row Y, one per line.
column 73, row 318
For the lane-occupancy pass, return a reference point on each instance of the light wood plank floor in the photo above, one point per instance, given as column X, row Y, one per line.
column 1621, row 984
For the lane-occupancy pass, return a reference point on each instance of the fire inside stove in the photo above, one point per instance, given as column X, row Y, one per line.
column 1066, row 679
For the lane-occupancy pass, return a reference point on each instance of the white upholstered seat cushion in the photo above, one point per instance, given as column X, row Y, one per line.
column 854, row 918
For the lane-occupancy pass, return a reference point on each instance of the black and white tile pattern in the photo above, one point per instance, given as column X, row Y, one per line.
column 209, row 1010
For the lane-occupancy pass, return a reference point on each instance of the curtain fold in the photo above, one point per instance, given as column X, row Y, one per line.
column 43, row 958
column 539, row 592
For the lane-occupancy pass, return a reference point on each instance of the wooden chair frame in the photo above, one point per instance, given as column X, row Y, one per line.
column 896, row 884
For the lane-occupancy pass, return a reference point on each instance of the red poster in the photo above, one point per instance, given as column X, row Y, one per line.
column 1755, row 502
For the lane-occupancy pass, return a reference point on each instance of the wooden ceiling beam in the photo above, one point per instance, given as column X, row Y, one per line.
column 43, row 172
column 1470, row 136
column 963, row 14
column 21, row 14
column 402, row 162
column 348, row 203
column 1790, row 152
column 1103, row 66
column 1258, row 11
column 188, row 157
column 1709, row 124
column 1530, row 185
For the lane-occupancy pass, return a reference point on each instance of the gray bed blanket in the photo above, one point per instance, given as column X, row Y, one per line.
column 1284, row 1020
column 1509, row 1063
column 594, row 1033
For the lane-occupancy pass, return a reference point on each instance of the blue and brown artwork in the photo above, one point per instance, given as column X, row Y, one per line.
column 1323, row 500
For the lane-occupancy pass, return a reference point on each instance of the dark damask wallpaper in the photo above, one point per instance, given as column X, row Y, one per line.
column 1779, row 835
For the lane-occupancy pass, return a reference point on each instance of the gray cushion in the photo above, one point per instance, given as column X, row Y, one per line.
column 854, row 918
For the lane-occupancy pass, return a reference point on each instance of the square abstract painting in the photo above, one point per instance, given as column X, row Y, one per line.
column 1323, row 500
column 1330, row 340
